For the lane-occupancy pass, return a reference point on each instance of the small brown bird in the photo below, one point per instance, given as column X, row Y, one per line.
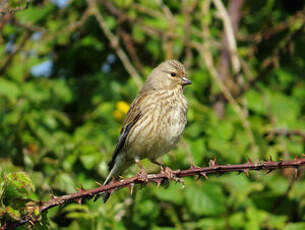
column 155, row 121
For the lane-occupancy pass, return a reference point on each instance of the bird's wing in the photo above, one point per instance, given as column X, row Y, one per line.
column 133, row 115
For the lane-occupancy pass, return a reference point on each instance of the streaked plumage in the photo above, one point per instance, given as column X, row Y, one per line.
column 155, row 121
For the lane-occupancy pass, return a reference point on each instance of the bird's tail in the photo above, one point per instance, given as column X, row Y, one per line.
column 106, row 195
column 117, row 168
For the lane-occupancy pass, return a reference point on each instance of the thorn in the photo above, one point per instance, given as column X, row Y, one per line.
column 269, row 171
column 79, row 201
column 213, row 162
column 121, row 178
column 296, row 157
column 280, row 163
column 131, row 186
column 192, row 166
column 204, row 175
column 250, row 161
column 142, row 176
column 81, row 188
column 246, row 171
column 158, row 181
column 98, row 183
column 111, row 191
column 53, row 196
column 270, row 159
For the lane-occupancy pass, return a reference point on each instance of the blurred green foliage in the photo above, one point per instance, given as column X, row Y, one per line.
column 64, row 94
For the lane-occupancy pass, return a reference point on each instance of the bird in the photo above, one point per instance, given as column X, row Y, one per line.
column 154, row 122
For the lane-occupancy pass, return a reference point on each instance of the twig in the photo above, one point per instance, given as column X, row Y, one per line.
column 234, row 13
column 13, row 11
column 150, row 30
column 209, row 63
column 160, row 178
column 6, row 62
column 114, row 41
column 48, row 36
column 228, row 27
column 187, row 10
column 148, row 11
column 171, row 28
column 128, row 42
column 206, row 55
column 286, row 132
column 269, row 32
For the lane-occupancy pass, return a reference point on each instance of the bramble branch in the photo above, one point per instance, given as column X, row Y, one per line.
column 159, row 178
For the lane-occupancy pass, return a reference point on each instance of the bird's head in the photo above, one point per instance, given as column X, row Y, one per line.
column 168, row 75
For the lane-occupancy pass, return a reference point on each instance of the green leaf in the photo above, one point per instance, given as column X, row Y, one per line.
column 208, row 200
column 90, row 156
column 18, row 184
column 295, row 226
column 255, row 101
column 197, row 150
column 34, row 14
column 173, row 193
column 13, row 213
column 9, row 90
column 64, row 182
column 237, row 220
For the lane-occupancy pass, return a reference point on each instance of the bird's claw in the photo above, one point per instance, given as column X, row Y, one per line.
column 143, row 175
column 171, row 175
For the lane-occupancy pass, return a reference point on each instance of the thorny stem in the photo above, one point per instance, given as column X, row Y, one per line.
column 159, row 179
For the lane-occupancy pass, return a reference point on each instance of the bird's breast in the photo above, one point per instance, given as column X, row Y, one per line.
column 173, row 125
column 161, row 126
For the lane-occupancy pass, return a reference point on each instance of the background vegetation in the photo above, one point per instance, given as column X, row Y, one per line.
column 70, row 69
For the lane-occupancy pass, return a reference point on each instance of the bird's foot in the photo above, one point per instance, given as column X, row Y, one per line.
column 143, row 175
column 171, row 175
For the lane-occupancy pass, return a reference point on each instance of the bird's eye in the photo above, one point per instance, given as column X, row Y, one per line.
column 173, row 74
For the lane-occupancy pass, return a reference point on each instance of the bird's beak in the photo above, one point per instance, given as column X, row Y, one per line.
column 186, row 81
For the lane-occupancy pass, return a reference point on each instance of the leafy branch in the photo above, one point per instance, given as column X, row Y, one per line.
column 166, row 175
column 4, row 11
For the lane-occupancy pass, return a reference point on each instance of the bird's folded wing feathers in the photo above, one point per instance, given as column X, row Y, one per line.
column 133, row 115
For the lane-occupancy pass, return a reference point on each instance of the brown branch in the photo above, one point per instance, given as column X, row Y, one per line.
column 4, row 11
column 208, row 59
column 169, row 36
column 205, row 53
column 7, row 60
column 267, row 33
column 229, row 31
column 114, row 41
column 68, row 29
column 148, row 11
column 187, row 10
column 128, row 42
column 48, row 36
column 285, row 132
column 234, row 13
column 159, row 178
column 150, row 30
